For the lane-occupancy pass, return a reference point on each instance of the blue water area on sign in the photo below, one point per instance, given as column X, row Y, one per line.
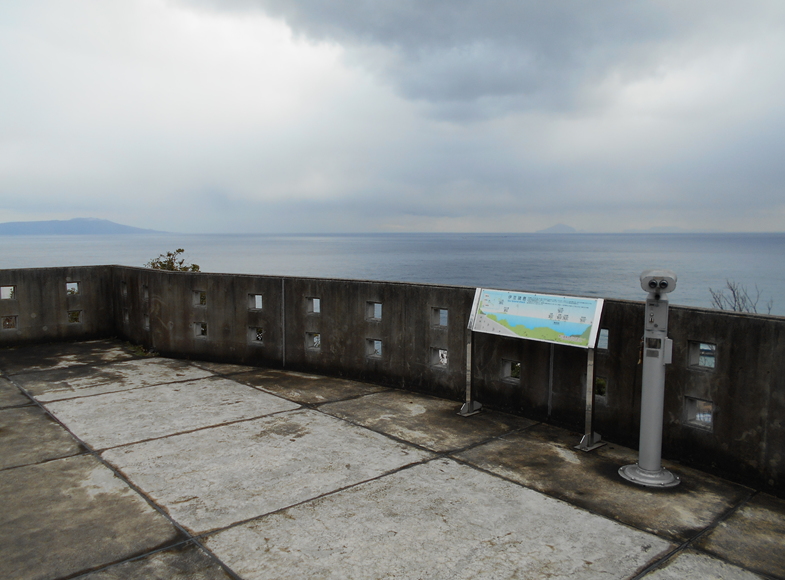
column 565, row 328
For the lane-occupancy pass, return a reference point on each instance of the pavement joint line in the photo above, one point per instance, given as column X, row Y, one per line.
column 315, row 405
column 17, row 406
column 552, row 496
column 513, row 431
column 315, row 498
column 443, row 453
column 158, row 550
column 388, row 435
column 187, row 431
column 45, row 461
column 131, row 389
column 689, row 543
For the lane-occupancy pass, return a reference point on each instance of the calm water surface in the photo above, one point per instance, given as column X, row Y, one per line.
column 605, row 265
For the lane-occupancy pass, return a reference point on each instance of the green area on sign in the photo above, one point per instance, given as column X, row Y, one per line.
column 542, row 333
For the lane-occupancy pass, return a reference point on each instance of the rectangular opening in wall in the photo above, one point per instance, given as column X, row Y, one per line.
column 124, row 289
column 9, row 322
column 439, row 317
column 74, row 316
column 200, row 298
column 703, row 355
column 373, row 348
column 255, row 301
column 600, row 387
column 439, row 357
column 146, row 321
column 256, row 335
column 7, row 292
column 313, row 341
column 145, row 293
column 126, row 317
column 511, row 370
column 602, row 339
column 699, row 413
column 313, row 305
column 373, row 310
column 200, row 329
column 72, row 288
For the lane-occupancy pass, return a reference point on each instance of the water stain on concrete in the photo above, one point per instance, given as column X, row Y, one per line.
column 306, row 389
column 11, row 396
column 84, row 517
column 426, row 421
column 68, row 383
column 61, row 355
column 542, row 458
column 691, row 564
column 753, row 537
column 184, row 562
column 28, row 435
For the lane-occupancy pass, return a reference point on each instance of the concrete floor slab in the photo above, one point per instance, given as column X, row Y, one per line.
column 306, row 389
column 129, row 416
column 543, row 458
column 216, row 477
column 690, row 564
column 753, row 537
column 28, row 435
column 82, row 381
column 426, row 421
column 184, row 562
column 11, row 396
column 439, row 520
column 70, row 515
column 62, row 354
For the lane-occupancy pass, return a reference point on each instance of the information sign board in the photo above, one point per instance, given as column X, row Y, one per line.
column 564, row 320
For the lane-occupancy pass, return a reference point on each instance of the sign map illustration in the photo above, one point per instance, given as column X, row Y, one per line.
column 564, row 320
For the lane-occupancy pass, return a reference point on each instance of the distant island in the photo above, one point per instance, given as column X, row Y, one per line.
column 565, row 229
column 558, row 229
column 76, row 226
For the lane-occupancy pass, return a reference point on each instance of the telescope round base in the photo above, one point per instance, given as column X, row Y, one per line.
column 660, row 478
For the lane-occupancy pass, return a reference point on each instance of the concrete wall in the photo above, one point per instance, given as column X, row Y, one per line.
column 723, row 414
column 48, row 306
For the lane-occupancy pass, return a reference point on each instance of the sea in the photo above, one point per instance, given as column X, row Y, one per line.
column 591, row 265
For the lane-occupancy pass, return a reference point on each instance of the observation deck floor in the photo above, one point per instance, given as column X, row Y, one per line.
column 115, row 465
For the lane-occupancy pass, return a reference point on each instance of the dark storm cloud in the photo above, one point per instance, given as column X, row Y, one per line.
column 486, row 57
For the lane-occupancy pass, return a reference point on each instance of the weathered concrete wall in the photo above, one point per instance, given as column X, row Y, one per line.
column 56, row 304
column 738, row 430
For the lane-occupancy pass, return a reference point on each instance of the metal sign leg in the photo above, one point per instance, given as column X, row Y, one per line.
column 469, row 407
column 590, row 440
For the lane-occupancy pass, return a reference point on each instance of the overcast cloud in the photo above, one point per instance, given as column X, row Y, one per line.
column 350, row 116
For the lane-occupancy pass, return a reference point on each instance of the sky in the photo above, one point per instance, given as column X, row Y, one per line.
column 304, row 116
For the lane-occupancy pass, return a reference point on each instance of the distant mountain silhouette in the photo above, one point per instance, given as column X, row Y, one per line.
column 558, row 229
column 76, row 226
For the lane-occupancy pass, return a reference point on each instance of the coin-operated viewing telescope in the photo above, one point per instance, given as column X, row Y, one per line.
column 657, row 352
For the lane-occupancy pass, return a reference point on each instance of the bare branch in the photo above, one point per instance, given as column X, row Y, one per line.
column 738, row 298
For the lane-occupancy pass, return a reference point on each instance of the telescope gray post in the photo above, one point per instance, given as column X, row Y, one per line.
column 657, row 352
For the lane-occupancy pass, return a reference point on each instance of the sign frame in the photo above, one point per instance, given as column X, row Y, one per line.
column 531, row 306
